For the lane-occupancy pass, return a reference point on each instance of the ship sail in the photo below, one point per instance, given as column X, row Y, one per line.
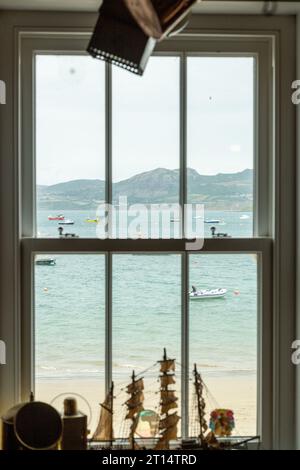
column 135, row 386
column 104, row 430
column 169, row 421
column 135, row 400
column 135, row 404
column 134, row 411
column 170, row 434
column 166, row 437
column 167, row 380
column 166, row 408
column 168, row 402
column 167, row 366
column 167, row 395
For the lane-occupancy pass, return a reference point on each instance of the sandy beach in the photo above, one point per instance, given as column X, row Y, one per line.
column 236, row 392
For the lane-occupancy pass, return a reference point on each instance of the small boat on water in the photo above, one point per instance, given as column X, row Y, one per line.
column 45, row 261
column 212, row 221
column 207, row 294
column 56, row 217
column 244, row 217
column 66, row 222
column 92, row 221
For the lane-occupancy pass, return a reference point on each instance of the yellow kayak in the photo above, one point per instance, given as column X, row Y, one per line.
column 92, row 221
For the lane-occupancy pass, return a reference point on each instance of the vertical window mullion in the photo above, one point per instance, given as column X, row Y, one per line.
column 27, row 135
column 108, row 200
column 108, row 126
column 185, row 345
column 184, row 258
column 108, row 321
column 263, row 146
column 256, row 176
column 183, row 139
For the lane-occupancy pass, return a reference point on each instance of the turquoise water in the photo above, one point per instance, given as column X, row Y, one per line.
column 70, row 308
column 230, row 222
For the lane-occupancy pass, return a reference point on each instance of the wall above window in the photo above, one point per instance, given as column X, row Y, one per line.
column 206, row 6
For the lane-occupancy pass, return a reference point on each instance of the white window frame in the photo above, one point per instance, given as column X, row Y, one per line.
column 184, row 47
column 278, row 323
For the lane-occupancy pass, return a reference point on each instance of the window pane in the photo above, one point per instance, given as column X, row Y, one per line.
column 221, row 141
column 146, row 319
column 70, row 142
column 69, row 327
column 146, row 117
column 223, row 335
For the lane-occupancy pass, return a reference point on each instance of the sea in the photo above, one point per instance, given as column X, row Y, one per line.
column 146, row 309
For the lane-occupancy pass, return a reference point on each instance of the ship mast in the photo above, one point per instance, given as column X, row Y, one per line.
column 199, row 385
column 168, row 401
column 134, row 405
column 111, row 431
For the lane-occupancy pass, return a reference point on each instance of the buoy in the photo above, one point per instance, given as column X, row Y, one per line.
column 236, row 292
column 46, row 289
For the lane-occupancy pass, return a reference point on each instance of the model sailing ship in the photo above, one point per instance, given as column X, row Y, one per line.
column 104, row 433
column 168, row 416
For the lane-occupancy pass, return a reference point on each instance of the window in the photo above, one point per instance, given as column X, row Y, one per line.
column 146, row 318
column 151, row 143
column 220, row 140
column 223, row 334
column 69, row 288
column 139, row 291
column 70, row 141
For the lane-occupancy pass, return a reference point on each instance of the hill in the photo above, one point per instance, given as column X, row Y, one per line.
column 222, row 191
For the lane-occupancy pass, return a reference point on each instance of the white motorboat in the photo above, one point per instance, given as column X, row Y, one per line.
column 212, row 221
column 207, row 294
column 66, row 222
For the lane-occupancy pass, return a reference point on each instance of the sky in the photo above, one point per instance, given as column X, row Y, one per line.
column 70, row 117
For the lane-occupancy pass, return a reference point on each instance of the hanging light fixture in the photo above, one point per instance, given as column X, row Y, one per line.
column 128, row 30
column 146, row 17
column 171, row 13
column 118, row 39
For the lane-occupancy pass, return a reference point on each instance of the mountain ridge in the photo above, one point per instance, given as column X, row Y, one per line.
column 221, row 191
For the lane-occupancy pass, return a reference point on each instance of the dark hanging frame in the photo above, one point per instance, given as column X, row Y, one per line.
column 120, row 36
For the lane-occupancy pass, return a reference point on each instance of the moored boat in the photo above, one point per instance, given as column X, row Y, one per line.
column 45, row 261
column 207, row 294
column 66, row 222
column 56, row 217
column 92, row 221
